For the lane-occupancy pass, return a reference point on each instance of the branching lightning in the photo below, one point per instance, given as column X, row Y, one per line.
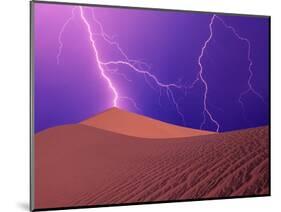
column 167, row 87
column 133, row 102
column 250, row 86
column 107, row 38
column 199, row 76
column 97, row 58
column 60, row 34
column 106, row 68
column 251, row 74
column 137, row 66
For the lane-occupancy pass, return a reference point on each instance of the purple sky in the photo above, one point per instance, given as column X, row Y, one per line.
column 170, row 44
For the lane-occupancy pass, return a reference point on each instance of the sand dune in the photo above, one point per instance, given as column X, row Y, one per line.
column 78, row 165
column 126, row 123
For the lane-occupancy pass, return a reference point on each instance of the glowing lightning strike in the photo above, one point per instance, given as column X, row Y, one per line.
column 60, row 35
column 109, row 40
column 250, row 86
column 167, row 87
column 137, row 66
column 132, row 64
column 99, row 63
column 200, row 77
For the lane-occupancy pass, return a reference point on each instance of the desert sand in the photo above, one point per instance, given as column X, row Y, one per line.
column 79, row 165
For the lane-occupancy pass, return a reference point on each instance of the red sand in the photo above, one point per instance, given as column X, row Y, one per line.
column 78, row 165
column 126, row 123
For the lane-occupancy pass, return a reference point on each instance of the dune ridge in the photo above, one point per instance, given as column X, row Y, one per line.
column 131, row 124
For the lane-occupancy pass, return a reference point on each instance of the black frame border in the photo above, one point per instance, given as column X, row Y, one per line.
column 31, row 90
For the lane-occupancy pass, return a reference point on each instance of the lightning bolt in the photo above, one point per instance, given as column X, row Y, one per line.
column 97, row 58
column 142, row 68
column 167, row 87
column 107, row 38
column 61, row 33
column 116, row 72
column 250, row 88
column 134, row 65
column 199, row 76
column 251, row 74
column 130, row 100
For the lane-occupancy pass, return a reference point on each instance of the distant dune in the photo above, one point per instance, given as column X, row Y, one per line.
column 126, row 123
column 78, row 165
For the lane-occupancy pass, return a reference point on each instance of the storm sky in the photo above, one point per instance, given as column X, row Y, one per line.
column 160, row 52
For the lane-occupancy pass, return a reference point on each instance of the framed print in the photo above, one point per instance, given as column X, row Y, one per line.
column 137, row 105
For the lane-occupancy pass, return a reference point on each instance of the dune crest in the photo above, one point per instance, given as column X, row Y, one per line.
column 131, row 124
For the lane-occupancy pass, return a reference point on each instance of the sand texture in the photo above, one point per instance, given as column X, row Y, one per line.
column 82, row 164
